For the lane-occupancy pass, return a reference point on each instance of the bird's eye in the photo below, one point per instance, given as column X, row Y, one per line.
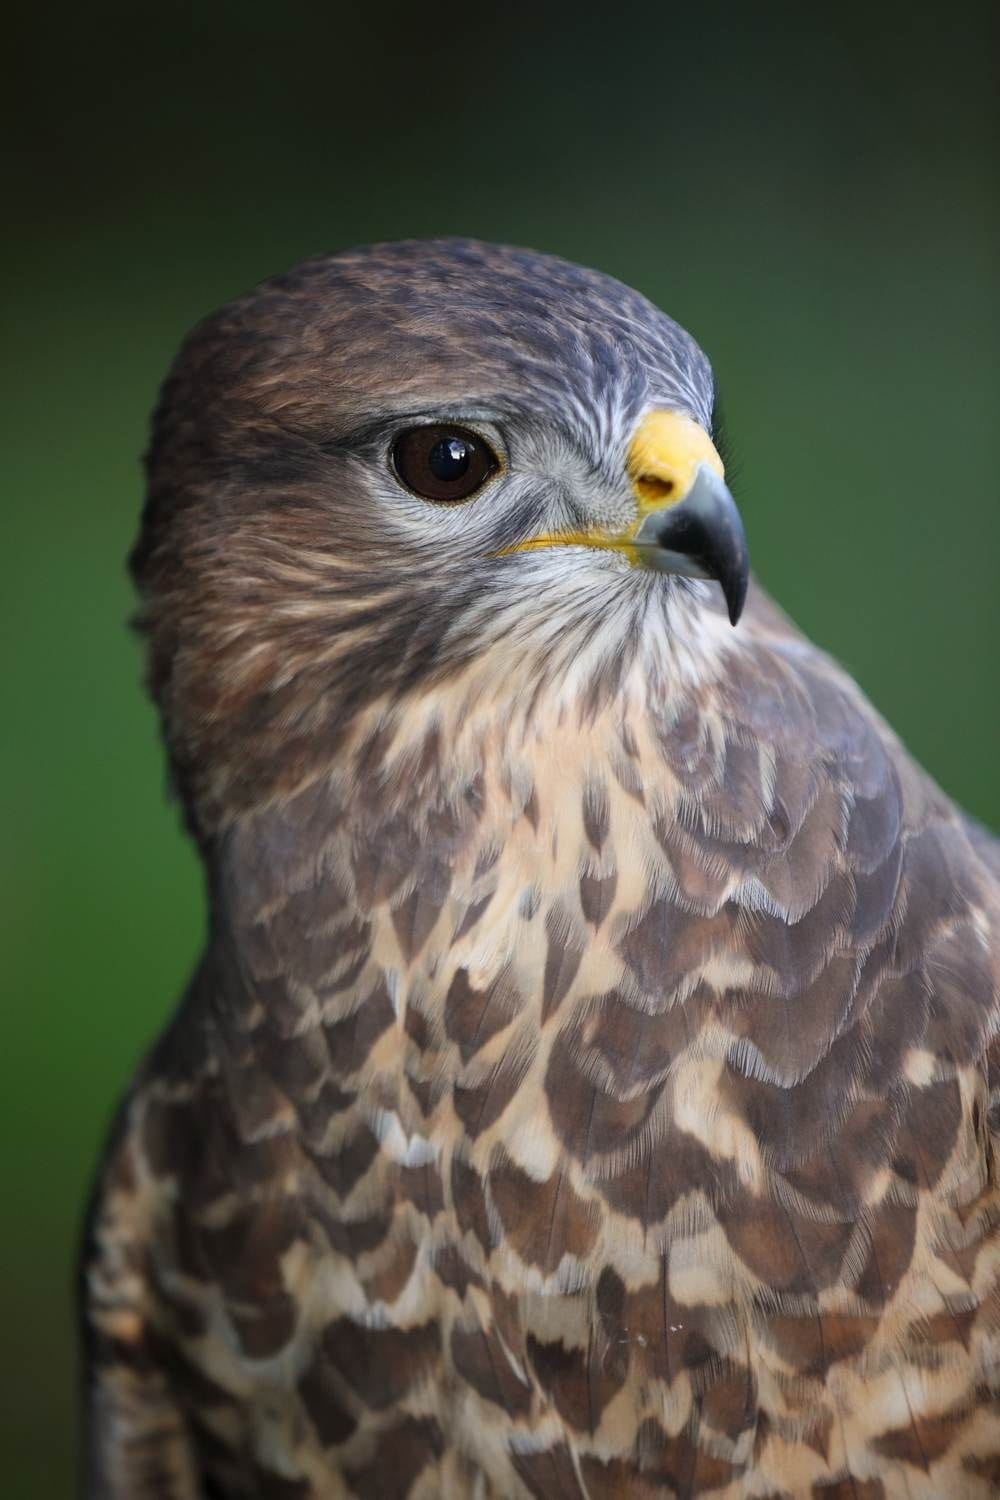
column 443, row 463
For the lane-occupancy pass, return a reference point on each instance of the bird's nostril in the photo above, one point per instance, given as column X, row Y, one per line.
column 652, row 487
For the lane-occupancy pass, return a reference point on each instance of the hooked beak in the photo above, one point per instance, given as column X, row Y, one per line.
column 701, row 536
column 686, row 522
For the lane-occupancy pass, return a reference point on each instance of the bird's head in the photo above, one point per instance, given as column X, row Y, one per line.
column 383, row 467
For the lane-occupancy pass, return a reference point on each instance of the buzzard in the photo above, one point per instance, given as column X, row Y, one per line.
column 590, row 1086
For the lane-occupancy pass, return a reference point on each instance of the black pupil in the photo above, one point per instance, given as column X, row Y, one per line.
column 449, row 458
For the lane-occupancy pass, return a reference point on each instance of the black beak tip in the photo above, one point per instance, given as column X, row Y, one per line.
column 706, row 529
column 734, row 587
column 724, row 552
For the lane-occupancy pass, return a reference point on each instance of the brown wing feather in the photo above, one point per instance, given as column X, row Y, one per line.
column 137, row 1437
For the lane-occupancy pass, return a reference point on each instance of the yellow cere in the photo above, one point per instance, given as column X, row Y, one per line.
column 663, row 458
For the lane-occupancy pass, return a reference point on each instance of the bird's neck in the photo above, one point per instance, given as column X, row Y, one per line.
column 252, row 719
column 466, row 841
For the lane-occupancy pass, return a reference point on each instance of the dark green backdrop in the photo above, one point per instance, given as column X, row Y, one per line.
column 811, row 192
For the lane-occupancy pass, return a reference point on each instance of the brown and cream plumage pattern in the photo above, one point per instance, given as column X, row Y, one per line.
column 590, row 1084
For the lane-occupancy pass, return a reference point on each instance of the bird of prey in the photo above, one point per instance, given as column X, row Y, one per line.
column 590, row 1086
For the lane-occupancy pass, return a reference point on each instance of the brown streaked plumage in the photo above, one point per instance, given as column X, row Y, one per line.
column 590, row 1084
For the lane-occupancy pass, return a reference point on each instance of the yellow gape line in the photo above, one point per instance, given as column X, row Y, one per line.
column 565, row 539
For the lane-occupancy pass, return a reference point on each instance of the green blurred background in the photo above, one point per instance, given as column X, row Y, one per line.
column 811, row 190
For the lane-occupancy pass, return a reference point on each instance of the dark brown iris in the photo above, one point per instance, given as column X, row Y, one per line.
column 443, row 463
